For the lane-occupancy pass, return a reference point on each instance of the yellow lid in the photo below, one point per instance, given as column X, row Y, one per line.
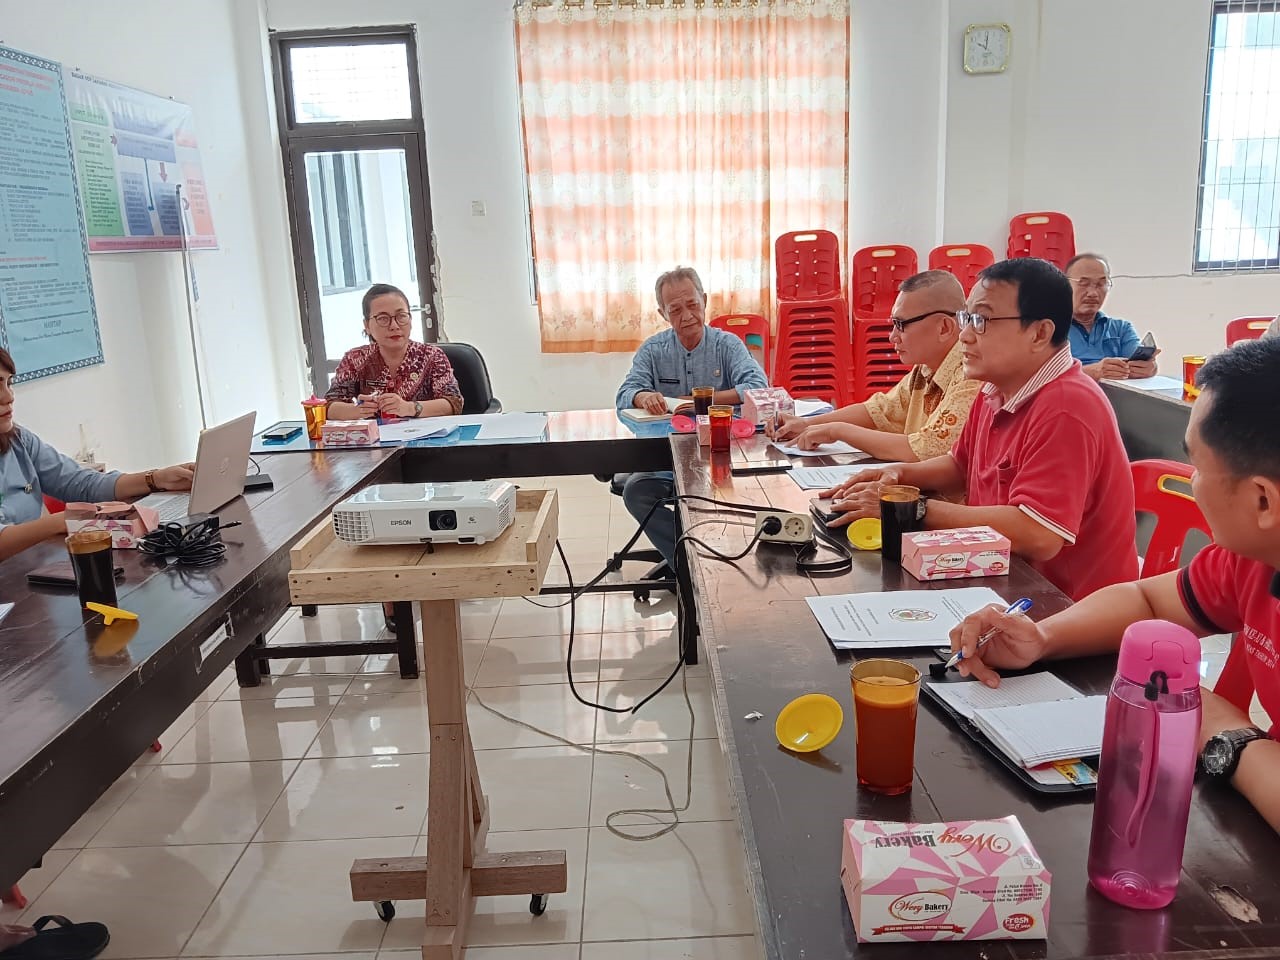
column 809, row 722
column 865, row 533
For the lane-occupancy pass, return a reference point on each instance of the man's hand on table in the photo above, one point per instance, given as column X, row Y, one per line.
column 1017, row 643
column 859, row 496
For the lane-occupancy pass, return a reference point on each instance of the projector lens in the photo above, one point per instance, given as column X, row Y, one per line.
column 442, row 520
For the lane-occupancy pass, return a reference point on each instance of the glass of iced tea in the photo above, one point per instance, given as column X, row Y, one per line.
column 702, row 397
column 885, row 694
column 1190, row 368
column 721, row 421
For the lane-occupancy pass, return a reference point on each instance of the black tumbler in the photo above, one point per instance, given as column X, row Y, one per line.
column 93, row 563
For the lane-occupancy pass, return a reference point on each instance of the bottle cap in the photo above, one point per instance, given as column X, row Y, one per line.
column 1157, row 645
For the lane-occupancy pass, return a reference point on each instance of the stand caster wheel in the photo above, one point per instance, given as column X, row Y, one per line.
column 386, row 910
column 642, row 596
column 538, row 904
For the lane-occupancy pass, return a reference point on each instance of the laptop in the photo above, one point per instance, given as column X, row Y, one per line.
column 222, row 456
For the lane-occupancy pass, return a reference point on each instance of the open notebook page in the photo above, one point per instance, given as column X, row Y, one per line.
column 968, row 697
column 1035, row 733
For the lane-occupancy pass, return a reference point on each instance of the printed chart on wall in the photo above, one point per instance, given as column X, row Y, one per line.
column 48, row 321
column 133, row 151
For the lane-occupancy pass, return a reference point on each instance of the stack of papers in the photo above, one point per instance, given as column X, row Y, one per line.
column 406, row 430
column 821, row 450
column 1033, row 720
column 1154, row 383
column 903, row 618
column 812, row 408
column 824, row 478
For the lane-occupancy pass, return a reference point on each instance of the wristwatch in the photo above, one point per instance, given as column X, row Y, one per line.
column 1221, row 755
column 417, row 408
column 150, row 478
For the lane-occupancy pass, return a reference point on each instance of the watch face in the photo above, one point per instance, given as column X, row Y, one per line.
column 1217, row 756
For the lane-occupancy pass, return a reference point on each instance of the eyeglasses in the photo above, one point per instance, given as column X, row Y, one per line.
column 400, row 319
column 977, row 321
column 901, row 325
column 1088, row 283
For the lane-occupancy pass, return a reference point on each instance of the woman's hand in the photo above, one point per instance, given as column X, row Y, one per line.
column 369, row 404
column 813, row 437
column 393, row 405
column 787, row 428
column 176, row 477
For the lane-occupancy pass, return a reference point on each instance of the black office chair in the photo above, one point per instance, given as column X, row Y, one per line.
column 473, row 378
column 660, row 576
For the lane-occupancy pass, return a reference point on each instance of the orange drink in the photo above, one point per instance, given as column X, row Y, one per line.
column 885, row 694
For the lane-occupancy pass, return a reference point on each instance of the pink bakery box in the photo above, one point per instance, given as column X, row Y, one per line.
column 967, row 880
column 349, row 433
column 752, row 398
column 952, row 554
column 127, row 523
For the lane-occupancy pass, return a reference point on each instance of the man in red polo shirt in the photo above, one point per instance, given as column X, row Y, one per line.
column 1229, row 587
column 1040, row 458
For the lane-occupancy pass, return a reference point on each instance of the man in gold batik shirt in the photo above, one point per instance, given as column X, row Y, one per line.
column 922, row 416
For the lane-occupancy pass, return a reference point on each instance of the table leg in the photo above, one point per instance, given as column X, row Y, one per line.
column 406, row 641
column 686, row 618
column 249, row 666
column 457, row 814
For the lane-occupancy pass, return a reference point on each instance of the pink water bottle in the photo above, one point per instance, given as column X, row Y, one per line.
column 1149, row 748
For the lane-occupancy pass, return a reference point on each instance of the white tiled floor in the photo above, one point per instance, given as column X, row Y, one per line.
column 236, row 839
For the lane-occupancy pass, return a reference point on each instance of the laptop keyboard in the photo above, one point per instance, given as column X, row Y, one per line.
column 170, row 506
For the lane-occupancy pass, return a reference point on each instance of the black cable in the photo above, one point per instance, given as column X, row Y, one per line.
column 257, row 467
column 196, row 544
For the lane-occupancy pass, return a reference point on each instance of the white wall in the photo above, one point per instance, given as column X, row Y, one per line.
column 140, row 406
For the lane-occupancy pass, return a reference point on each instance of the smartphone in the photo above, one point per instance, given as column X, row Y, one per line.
column 59, row 575
column 823, row 509
column 760, row 466
column 281, row 434
column 1146, row 349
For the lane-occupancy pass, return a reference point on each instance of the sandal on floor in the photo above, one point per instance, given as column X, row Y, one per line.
column 65, row 941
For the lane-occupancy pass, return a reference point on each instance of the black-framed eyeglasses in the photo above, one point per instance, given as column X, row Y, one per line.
column 901, row 325
column 401, row 319
column 977, row 321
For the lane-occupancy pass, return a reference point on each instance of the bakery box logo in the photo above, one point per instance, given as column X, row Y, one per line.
column 948, row 561
column 1019, row 922
column 912, row 615
column 921, row 907
column 907, row 840
column 976, row 842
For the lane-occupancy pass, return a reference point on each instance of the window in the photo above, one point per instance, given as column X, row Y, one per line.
column 350, row 82
column 1238, row 221
column 342, row 249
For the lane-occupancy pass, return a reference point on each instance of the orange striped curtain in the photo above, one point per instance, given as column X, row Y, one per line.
column 683, row 134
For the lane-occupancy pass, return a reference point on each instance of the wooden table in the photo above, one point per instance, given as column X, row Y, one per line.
column 326, row 570
column 764, row 648
column 80, row 702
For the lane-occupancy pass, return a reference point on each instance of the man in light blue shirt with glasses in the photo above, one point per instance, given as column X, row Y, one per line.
column 1102, row 344
column 670, row 364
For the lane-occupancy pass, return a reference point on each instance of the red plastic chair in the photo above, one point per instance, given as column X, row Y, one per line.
column 52, row 505
column 807, row 265
column 877, row 274
column 1157, row 490
column 813, row 352
column 876, row 364
column 752, row 329
column 963, row 261
column 1247, row 328
column 1047, row 235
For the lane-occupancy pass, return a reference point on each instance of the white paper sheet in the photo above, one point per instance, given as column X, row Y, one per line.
column 4, row 609
column 1154, row 383
column 511, row 426
column 1035, row 733
column 904, row 618
column 966, row 698
column 823, row 478
column 822, row 450
column 407, row 430
column 812, row 408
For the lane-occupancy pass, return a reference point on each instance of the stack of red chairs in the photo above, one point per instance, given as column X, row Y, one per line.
column 753, row 330
column 964, row 261
column 1247, row 328
column 877, row 274
column 813, row 353
column 1049, row 236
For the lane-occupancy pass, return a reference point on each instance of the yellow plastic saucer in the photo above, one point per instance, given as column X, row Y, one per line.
column 809, row 722
column 865, row 534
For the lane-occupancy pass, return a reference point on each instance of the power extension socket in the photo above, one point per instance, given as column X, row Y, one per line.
column 796, row 527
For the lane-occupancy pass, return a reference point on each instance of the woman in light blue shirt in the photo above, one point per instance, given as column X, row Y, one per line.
column 30, row 468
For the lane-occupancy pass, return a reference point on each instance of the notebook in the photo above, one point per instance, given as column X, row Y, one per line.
column 1033, row 719
column 644, row 416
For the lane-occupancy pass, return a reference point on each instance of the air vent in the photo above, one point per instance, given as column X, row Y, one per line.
column 504, row 513
column 352, row 526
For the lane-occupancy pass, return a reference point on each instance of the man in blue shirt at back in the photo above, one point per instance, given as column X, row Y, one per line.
column 1102, row 344
column 670, row 364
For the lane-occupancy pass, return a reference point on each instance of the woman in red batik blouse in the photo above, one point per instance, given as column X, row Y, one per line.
column 392, row 376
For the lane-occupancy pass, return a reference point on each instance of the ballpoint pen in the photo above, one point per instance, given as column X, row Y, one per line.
column 1018, row 606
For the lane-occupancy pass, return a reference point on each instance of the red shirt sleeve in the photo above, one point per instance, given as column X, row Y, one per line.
column 962, row 449
column 1210, row 588
column 1055, row 471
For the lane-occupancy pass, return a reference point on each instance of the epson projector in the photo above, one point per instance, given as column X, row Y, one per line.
column 471, row 512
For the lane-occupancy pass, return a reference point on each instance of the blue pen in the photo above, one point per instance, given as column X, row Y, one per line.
column 1018, row 606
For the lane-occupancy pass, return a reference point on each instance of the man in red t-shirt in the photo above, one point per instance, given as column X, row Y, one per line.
column 1230, row 587
column 1040, row 458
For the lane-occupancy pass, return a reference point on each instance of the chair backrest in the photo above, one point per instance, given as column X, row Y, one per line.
column 807, row 265
column 473, row 378
column 964, row 261
column 877, row 274
column 1047, row 235
column 1162, row 489
column 753, row 330
column 1247, row 328
column 53, row 505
